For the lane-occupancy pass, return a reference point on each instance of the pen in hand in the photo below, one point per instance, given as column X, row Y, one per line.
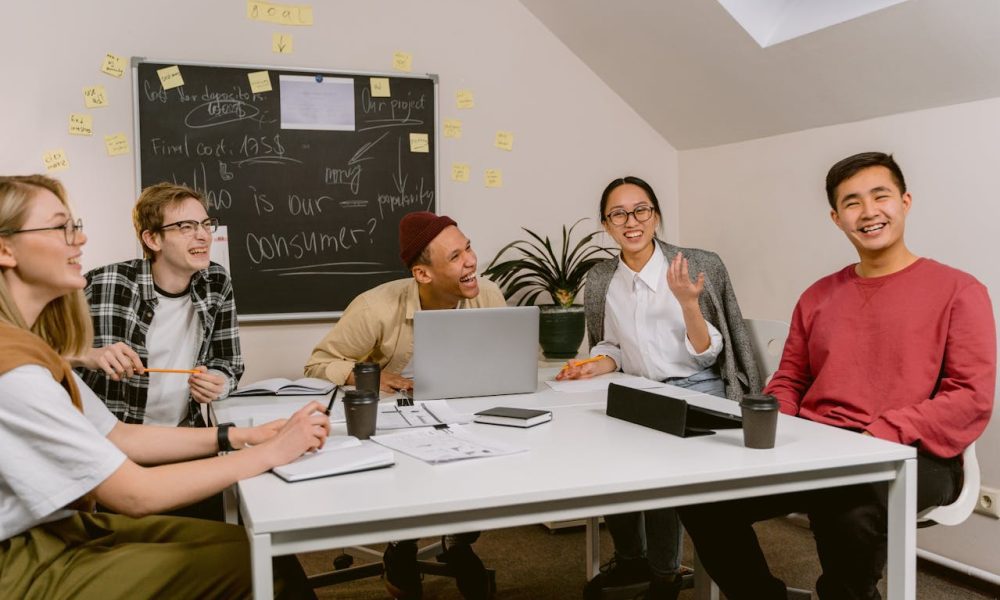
column 570, row 364
column 333, row 396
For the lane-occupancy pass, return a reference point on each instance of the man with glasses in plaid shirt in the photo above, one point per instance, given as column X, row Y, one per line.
column 172, row 309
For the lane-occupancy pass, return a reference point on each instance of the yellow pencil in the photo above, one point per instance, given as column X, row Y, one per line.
column 189, row 371
column 570, row 364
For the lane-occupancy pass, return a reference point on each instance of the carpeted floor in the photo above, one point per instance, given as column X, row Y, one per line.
column 532, row 563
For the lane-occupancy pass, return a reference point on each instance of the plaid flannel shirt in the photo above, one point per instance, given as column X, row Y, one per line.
column 122, row 303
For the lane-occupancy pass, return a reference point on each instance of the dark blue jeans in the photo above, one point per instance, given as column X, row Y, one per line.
column 657, row 534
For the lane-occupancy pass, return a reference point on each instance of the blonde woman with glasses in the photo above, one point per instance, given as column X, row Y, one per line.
column 669, row 314
column 63, row 450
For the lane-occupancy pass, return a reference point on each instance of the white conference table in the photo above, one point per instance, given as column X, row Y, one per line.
column 580, row 465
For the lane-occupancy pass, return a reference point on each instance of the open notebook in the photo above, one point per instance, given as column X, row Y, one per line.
column 307, row 386
column 340, row 455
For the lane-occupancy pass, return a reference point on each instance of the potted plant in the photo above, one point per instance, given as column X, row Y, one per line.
column 536, row 269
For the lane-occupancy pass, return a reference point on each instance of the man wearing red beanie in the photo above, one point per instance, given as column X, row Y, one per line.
column 377, row 326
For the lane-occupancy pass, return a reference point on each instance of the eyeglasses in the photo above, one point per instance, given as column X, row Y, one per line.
column 642, row 213
column 188, row 228
column 69, row 228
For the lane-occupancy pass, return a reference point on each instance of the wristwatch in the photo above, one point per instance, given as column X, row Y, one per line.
column 222, row 434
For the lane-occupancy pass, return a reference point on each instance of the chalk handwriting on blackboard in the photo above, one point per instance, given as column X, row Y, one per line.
column 312, row 215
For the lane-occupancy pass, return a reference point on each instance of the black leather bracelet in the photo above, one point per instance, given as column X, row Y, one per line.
column 222, row 434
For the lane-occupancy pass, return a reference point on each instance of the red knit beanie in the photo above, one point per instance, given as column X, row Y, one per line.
column 416, row 230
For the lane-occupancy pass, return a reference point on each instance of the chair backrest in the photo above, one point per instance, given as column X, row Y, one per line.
column 768, row 342
column 959, row 510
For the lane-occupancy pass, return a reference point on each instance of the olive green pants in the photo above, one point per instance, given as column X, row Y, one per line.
column 109, row 556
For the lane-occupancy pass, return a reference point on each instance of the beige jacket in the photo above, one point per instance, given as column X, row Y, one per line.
column 378, row 326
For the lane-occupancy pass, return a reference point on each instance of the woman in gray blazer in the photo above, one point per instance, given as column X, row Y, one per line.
column 669, row 314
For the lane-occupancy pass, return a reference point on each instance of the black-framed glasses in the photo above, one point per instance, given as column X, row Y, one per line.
column 642, row 213
column 70, row 227
column 188, row 228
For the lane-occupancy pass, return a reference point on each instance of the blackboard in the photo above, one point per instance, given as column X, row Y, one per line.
column 311, row 179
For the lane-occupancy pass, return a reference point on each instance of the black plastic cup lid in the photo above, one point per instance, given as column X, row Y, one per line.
column 759, row 401
column 366, row 366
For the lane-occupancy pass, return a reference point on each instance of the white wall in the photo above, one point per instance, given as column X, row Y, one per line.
column 572, row 133
column 762, row 206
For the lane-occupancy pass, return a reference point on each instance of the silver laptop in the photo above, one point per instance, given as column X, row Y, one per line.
column 475, row 352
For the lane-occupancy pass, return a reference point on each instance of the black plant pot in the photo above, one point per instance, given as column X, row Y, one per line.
column 560, row 330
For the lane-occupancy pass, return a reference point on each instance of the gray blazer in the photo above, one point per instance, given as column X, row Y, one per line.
column 736, row 364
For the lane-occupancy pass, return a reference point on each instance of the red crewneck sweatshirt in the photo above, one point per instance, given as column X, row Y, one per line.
column 908, row 357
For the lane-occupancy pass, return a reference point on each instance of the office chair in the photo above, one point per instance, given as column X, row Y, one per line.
column 768, row 339
column 343, row 569
column 959, row 510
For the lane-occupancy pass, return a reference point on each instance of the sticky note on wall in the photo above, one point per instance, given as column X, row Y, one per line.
column 281, row 43
column 285, row 14
column 464, row 99
column 55, row 160
column 95, row 96
column 459, row 172
column 379, row 87
column 113, row 65
column 260, row 81
column 81, row 124
column 452, row 128
column 504, row 140
column 419, row 143
column 170, row 77
column 494, row 178
column 116, row 144
column 402, row 61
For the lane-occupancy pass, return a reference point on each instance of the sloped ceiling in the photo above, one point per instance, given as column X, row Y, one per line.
column 698, row 78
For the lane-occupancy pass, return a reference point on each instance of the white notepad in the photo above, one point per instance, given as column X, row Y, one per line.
column 346, row 455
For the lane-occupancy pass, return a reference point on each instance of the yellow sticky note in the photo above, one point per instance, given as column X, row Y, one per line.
column 380, row 87
column 460, row 172
column 419, row 142
column 95, row 96
column 260, row 81
column 464, row 99
column 494, row 178
column 504, row 140
column 170, row 77
column 81, row 124
column 116, row 144
column 113, row 65
column 55, row 160
column 285, row 14
column 452, row 128
column 402, row 61
column 281, row 43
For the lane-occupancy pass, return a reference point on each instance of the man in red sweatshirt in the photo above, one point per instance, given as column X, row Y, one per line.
column 895, row 346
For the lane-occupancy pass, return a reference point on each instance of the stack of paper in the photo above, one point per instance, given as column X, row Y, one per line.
column 601, row 383
column 421, row 414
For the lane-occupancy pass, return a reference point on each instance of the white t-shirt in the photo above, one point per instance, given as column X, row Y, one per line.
column 50, row 453
column 172, row 342
column 644, row 330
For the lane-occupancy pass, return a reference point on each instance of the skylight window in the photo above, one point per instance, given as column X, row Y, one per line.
column 771, row 22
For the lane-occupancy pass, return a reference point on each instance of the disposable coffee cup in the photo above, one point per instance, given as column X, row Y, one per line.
column 760, row 420
column 367, row 376
column 361, row 410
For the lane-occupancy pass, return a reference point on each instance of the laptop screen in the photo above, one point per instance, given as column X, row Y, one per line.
column 470, row 352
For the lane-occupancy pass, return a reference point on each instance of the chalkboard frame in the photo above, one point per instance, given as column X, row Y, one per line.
column 136, row 61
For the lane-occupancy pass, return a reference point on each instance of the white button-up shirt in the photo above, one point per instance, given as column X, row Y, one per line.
column 644, row 331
